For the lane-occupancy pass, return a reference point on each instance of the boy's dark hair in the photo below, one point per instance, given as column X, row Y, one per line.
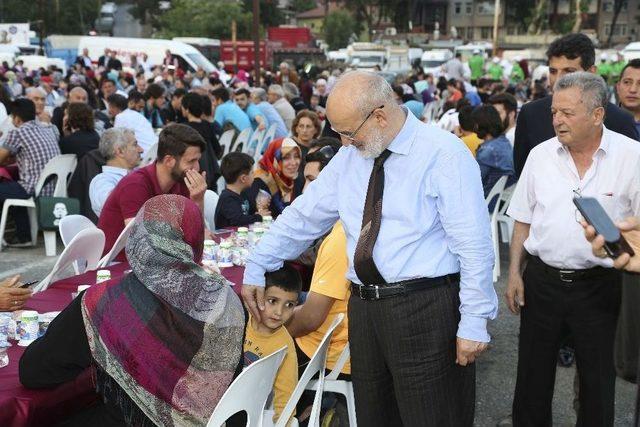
column 179, row 93
column 487, row 121
column 235, row 164
column 135, row 96
column 207, row 109
column 176, row 138
column 287, row 278
column 326, row 141
column 119, row 101
column 154, row 90
column 243, row 91
column 220, row 93
column 106, row 80
column 507, row 100
column 192, row 102
column 634, row 63
column 323, row 156
column 465, row 119
column 24, row 108
column 572, row 46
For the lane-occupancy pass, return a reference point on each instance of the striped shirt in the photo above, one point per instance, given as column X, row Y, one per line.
column 33, row 145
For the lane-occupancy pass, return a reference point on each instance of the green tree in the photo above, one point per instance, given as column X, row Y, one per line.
column 300, row 6
column 270, row 15
column 338, row 27
column 205, row 18
column 56, row 16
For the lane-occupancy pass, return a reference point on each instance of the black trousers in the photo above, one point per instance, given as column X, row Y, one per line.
column 403, row 352
column 13, row 190
column 589, row 309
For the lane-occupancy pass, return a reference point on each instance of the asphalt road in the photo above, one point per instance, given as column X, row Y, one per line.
column 125, row 25
column 496, row 369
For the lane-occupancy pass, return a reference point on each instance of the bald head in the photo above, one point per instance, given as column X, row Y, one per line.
column 78, row 94
column 360, row 91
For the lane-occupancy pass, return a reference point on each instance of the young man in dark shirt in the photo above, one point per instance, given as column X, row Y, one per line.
column 232, row 209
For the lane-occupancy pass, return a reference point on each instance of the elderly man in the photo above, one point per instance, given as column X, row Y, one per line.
column 286, row 74
column 276, row 97
column 122, row 153
column 259, row 99
column 420, row 263
column 554, row 280
column 38, row 96
column 79, row 94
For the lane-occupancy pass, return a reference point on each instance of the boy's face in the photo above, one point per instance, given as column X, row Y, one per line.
column 246, row 180
column 278, row 307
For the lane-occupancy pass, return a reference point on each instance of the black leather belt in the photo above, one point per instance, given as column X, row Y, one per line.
column 569, row 276
column 388, row 290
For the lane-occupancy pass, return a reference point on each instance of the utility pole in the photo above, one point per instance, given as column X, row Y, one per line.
column 496, row 16
column 256, row 42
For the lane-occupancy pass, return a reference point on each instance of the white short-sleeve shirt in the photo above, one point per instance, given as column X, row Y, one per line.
column 544, row 196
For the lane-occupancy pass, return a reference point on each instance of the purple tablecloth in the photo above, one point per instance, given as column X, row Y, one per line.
column 21, row 407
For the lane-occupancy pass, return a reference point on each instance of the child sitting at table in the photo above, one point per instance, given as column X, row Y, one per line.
column 232, row 209
column 268, row 335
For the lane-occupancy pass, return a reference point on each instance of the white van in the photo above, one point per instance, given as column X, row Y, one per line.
column 433, row 60
column 189, row 57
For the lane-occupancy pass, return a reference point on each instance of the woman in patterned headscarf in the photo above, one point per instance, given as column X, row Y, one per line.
column 165, row 341
column 277, row 176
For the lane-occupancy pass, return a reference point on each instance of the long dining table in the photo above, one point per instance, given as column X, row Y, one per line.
column 21, row 407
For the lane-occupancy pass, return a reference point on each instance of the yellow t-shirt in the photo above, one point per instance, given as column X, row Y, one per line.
column 472, row 142
column 329, row 279
column 258, row 345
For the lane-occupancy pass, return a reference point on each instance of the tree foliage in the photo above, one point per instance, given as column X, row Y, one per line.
column 300, row 6
column 205, row 18
column 57, row 16
column 338, row 27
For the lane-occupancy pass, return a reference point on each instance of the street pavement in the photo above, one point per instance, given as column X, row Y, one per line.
column 125, row 25
column 496, row 368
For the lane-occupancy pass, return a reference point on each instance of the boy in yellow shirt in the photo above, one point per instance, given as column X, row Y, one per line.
column 466, row 130
column 264, row 337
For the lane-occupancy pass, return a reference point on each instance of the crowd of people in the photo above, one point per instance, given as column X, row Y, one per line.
column 378, row 190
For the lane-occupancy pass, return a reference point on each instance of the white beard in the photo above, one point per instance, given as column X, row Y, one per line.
column 373, row 148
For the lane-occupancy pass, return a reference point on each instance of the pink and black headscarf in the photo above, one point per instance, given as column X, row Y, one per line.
column 169, row 335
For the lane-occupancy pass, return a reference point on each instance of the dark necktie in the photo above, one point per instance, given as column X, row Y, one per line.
column 363, row 263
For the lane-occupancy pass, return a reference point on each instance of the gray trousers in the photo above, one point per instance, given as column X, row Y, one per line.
column 403, row 352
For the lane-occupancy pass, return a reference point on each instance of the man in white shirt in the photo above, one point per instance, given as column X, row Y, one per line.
column 122, row 152
column 562, row 284
column 275, row 95
column 128, row 118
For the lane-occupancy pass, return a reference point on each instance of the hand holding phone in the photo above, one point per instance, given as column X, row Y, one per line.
column 615, row 244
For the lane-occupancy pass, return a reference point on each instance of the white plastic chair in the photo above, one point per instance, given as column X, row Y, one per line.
column 269, row 135
column 255, row 381
column 87, row 245
column 334, row 385
column 316, row 366
column 62, row 166
column 256, row 139
column 210, row 203
column 120, row 243
column 150, row 156
column 71, row 225
column 241, row 141
column 496, row 193
column 226, row 139
column 505, row 222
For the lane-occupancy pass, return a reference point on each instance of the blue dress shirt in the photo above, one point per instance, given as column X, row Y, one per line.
column 102, row 185
column 434, row 219
column 230, row 112
column 495, row 158
column 253, row 111
column 273, row 117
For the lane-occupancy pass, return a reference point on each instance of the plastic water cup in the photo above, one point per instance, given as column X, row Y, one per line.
column 28, row 329
column 103, row 276
column 5, row 319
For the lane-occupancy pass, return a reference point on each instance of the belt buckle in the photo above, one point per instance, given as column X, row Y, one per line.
column 563, row 276
column 376, row 287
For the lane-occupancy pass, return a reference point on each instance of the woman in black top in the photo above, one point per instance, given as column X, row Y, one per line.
column 82, row 138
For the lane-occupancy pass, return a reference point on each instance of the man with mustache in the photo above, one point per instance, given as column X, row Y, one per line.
column 420, row 255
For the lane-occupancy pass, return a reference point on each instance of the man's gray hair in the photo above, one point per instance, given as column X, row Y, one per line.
column 260, row 93
column 277, row 90
column 376, row 91
column 593, row 88
column 35, row 90
column 112, row 139
column 290, row 91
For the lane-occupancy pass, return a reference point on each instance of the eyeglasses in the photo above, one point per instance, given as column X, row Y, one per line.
column 351, row 135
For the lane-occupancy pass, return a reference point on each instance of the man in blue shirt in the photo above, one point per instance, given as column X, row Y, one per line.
column 227, row 111
column 258, row 120
column 420, row 262
column 259, row 99
column 122, row 152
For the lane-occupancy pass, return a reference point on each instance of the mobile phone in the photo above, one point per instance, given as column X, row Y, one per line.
column 26, row 285
column 595, row 215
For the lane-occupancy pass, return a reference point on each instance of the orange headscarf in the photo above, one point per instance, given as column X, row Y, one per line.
column 270, row 166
